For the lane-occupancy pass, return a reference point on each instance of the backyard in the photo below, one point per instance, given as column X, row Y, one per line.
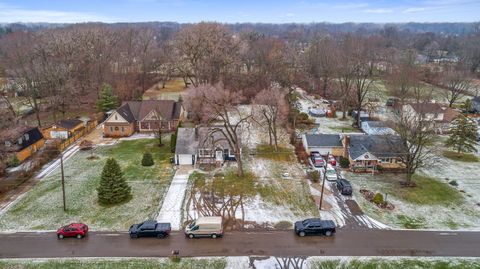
column 41, row 208
column 173, row 89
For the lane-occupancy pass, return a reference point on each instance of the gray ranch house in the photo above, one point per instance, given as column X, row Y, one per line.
column 202, row 145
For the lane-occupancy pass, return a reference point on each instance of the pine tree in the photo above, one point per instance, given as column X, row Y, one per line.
column 463, row 135
column 107, row 100
column 147, row 159
column 113, row 188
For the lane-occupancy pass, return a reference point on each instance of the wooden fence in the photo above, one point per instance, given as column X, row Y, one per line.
column 67, row 142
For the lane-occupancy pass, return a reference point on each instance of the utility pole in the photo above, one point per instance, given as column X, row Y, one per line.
column 323, row 183
column 63, row 182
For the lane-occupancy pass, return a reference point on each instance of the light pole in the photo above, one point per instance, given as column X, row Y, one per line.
column 323, row 183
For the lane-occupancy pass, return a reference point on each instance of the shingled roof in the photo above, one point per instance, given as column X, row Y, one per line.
column 382, row 146
column 323, row 140
column 68, row 124
column 137, row 110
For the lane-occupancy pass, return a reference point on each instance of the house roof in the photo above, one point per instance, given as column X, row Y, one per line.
column 476, row 99
column 186, row 141
column 191, row 139
column 427, row 107
column 21, row 137
column 69, row 123
column 382, row 146
column 323, row 140
column 138, row 110
column 450, row 114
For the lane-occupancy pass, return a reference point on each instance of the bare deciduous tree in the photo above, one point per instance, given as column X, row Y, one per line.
column 274, row 110
column 456, row 83
column 216, row 105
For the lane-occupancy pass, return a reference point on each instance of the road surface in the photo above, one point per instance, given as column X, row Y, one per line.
column 276, row 243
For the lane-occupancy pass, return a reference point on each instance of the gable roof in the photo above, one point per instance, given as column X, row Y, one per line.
column 427, row 107
column 138, row 110
column 382, row 146
column 323, row 140
column 69, row 123
column 186, row 141
column 21, row 137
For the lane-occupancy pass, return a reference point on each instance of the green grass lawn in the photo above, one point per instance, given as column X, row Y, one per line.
column 268, row 152
column 191, row 263
column 396, row 263
column 429, row 192
column 461, row 157
column 41, row 208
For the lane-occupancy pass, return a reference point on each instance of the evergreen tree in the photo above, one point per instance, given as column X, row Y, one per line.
column 107, row 100
column 147, row 159
column 463, row 135
column 113, row 188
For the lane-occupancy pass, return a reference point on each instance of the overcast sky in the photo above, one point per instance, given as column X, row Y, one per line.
column 267, row 11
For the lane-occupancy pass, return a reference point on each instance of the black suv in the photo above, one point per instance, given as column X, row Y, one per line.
column 314, row 227
column 344, row 186
column 150, row 228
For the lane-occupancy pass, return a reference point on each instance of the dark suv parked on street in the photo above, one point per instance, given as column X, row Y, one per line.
column 150, row 228
column 344, row 186
column 315, row 227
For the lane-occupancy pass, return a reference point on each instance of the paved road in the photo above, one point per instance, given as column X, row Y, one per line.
column 278, row 243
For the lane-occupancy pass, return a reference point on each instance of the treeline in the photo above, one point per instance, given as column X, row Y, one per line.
column 61, row 67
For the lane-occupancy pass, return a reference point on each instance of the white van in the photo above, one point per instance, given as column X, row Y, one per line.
column 205, row 226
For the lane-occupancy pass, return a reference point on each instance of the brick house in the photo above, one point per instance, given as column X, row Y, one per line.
column 144, row 117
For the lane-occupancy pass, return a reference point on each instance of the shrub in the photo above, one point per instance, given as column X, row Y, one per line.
column 14, row 162
column 314, row 175
column 453, row 183
column 113, row 188
column 147, row 159
column 344, row 162
column 378, row 198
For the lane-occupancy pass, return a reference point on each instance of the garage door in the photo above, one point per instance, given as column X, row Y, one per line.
column 184, row 159
column 323, row 151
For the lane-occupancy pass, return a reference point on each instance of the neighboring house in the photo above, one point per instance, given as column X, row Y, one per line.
column 441, row 115
column 144, row 116
column 323, row 143
column 476, row 104
column 63, row 129
column 374, row 152
column 22, row 141
column 202, row 145
column 376, row 128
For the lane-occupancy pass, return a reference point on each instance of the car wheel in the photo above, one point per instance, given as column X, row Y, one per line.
column 191, row 236
column 60, row 236
column 328, row 233
column 302, row 234
column 79, row 236
column 214, row 236
column 161, row 235
column 133, row 236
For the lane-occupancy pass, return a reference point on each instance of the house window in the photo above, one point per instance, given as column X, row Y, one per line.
column 123, row 129
column 204, row 152
column 116, row 118
column 27, row 136
column 20, row 141
column 8, row 144
column 111, row 129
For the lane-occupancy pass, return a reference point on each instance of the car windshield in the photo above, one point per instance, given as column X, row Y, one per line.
column 305, row 223
column 191, row 225
column 331, row 172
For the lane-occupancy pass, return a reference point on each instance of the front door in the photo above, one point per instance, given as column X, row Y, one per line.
column 219, row 155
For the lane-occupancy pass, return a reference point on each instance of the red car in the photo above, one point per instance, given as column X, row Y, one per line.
column 77, row 230
column 331, row 160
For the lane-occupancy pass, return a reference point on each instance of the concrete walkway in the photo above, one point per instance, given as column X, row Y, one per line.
column 171, row 210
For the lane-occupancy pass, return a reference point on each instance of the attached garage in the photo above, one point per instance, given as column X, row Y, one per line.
column 323, row 143
column 186, row 147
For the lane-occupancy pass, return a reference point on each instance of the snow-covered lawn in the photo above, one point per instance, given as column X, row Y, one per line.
column 41, row 208
column 433, row 204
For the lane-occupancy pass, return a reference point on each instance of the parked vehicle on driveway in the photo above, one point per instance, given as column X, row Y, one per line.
column 332, row 160
column 205, row 227
column 331, row 173
column 78, row 230
column 315, row 226
column 344, row 186
column 150, row 228
column 316, row 160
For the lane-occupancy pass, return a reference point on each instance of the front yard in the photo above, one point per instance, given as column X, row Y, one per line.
column 433, row 204
column 41, row 208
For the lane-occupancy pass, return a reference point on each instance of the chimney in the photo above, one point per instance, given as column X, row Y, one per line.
column 346, row 144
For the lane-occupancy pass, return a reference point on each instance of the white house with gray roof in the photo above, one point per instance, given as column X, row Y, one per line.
column 323, row 143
